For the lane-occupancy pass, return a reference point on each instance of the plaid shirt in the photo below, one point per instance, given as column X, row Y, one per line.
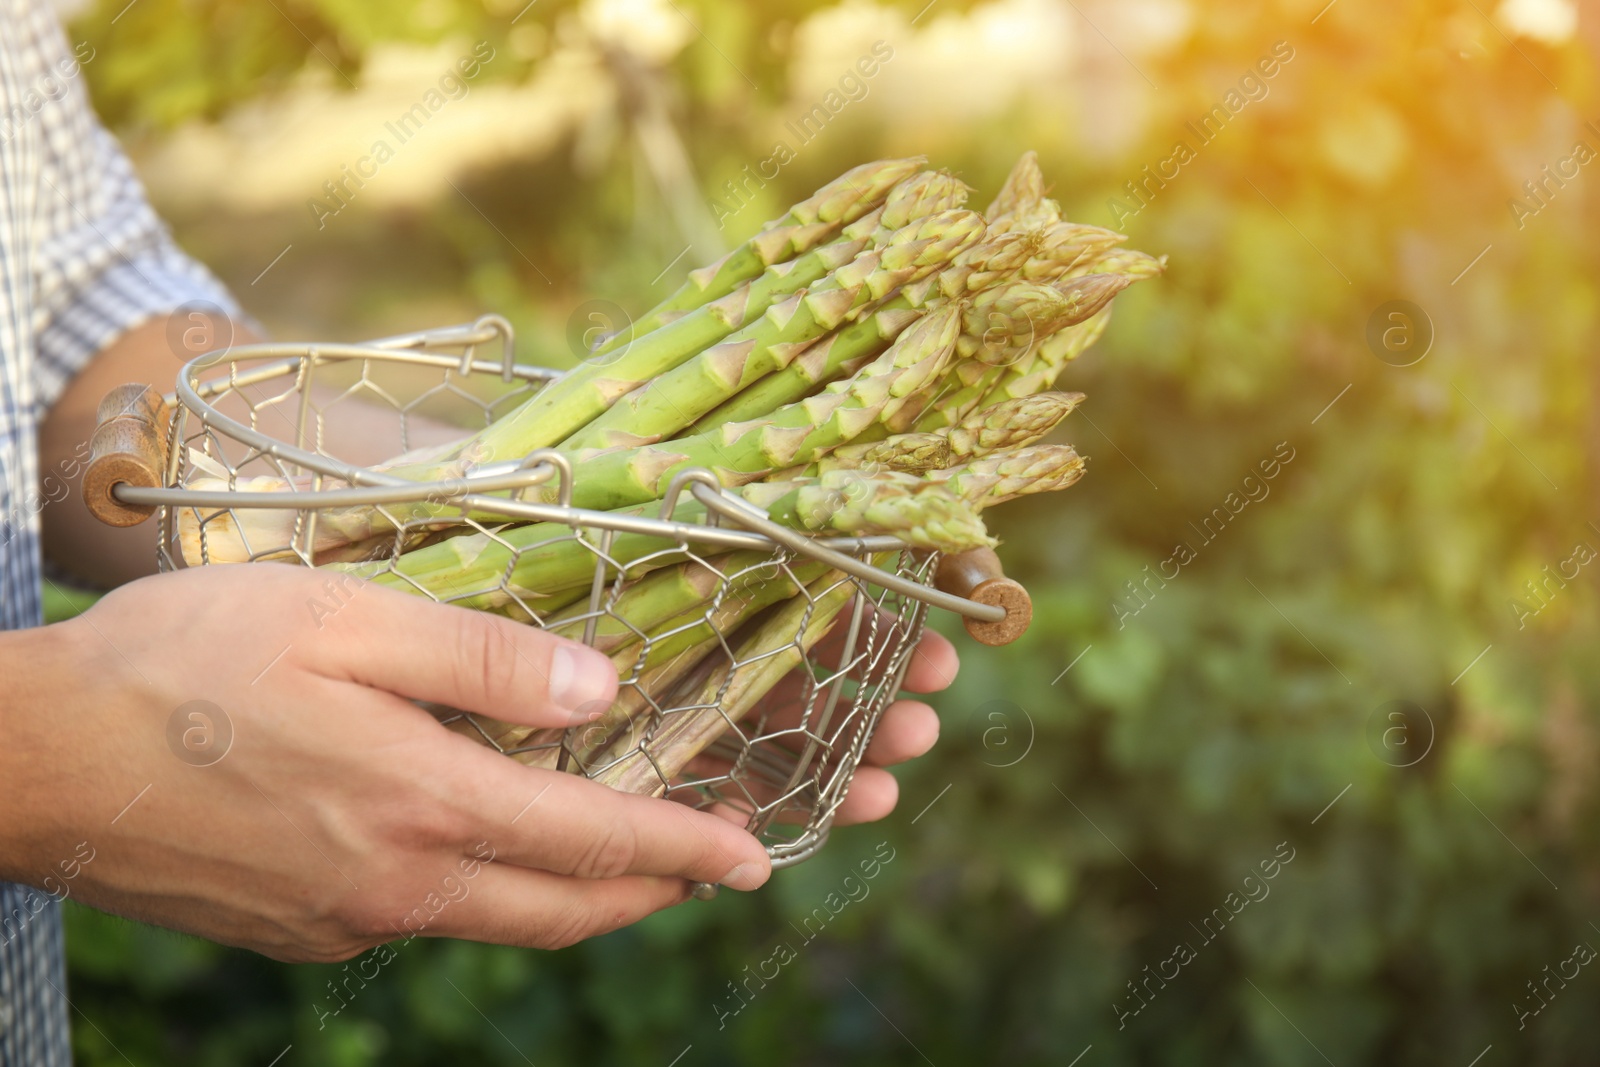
column 82, row 259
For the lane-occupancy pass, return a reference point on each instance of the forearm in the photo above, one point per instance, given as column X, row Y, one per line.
column 36, row 769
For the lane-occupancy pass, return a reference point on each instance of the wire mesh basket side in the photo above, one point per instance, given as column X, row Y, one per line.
column 784, row 762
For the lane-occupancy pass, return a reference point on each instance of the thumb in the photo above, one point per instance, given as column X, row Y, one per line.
column 469, row 660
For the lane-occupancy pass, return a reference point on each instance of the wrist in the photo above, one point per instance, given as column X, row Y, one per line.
column 36, row 726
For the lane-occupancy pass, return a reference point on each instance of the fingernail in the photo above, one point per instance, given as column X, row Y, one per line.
column 579, row 675
column 744, row 877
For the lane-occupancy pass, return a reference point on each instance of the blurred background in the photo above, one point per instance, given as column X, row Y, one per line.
column 1382, row 667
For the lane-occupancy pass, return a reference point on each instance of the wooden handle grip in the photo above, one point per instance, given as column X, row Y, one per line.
column 976, row 575
column 129, row 447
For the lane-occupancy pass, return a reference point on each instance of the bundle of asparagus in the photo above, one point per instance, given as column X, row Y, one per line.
column 880, row 360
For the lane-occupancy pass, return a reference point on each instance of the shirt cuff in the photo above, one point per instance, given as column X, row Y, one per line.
column 152, row 281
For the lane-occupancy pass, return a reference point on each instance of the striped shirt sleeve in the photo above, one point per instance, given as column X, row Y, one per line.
column 104, row 262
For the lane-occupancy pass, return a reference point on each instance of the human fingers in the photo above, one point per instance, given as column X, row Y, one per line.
column 933, row 664
column 872, row 796
column 469, row 660
column 907, row 730
column 566, row 824
column 537, row 909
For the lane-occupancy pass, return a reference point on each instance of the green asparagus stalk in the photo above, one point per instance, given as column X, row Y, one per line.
column 795, row 433
column 777, row 646
column 1042, row 366
column 1003, row 324
column 577, row 398
column 925, row 193
column 843, row 200
column 1039, row 372
column 676, row 644
column 1008, row 425
column 1000, row 334
column 677, row 398
column 566, row 405
column 816, row 365
column 911, row 453
column 1126, row 261
column 920, row 511
column 650, row 601
column 582, row 394
column 982, row 265
column 1005, row 476
column 543, row 561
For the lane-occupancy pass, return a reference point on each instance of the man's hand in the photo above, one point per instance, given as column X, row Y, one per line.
column 341, row 815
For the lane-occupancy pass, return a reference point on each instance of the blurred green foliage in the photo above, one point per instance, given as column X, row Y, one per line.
column 1095, row 817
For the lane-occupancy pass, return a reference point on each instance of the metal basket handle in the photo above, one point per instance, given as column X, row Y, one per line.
column 996, row 610
column 976, row 575
column 128, row 447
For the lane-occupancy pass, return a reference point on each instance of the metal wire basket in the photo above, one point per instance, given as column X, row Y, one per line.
column 262, row 410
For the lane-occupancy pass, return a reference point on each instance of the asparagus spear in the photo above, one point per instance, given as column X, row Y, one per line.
column 920, row 511
column 545, row 560
column 779, row 644
column 582, row 394
column 634, row 608
column 1129, row 261
column 843, row 200
column 570, row 402
column 916, row 223
column 1007, row 475
column 672, row 401
column 793, row 434
column 1011, row 326
column 677, row 645
column 1006, row 424
column 918, row 196
column 980, row 266
column 925, row 193
column 1038, row 372
column 1040, row 368
column 1021, row 204
column 1022, row 190
column 1063, row 246
column 908, row 452
column 1003, row 324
